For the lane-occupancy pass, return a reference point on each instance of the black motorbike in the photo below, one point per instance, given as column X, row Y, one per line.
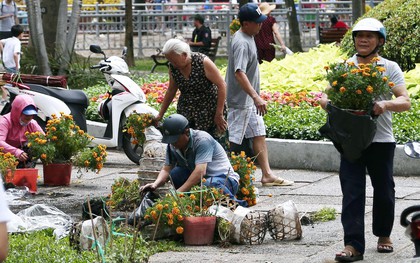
column 412, row 149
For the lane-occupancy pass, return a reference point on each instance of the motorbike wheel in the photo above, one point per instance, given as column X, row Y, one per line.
column 133, row 151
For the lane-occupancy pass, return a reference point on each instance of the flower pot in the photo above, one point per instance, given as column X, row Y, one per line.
column 24, row 177
column 57, row 174
column 199, row 230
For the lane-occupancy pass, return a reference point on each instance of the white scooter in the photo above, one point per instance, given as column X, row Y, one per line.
column 125, row 98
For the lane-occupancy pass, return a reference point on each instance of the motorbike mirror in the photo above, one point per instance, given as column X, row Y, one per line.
column 412, row 149
column 96, row 49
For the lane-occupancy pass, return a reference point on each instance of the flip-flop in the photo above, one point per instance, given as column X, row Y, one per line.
column 347, row 256
column 385, row 248
column 279, row 182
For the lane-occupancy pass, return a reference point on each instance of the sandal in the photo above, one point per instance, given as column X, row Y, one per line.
column 349, row 254
column 384, row 245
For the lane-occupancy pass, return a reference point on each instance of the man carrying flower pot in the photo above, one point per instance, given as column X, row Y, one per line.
column 192, row 155
column 13, row 127
column 369, row 36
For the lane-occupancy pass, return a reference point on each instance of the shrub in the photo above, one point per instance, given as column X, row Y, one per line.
column 300, row 123
column 401, row 19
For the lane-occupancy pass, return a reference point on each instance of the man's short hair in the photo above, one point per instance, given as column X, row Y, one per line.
column 199, row 18
column 16, row 30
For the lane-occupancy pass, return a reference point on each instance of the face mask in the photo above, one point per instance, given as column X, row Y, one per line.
column 23, row 123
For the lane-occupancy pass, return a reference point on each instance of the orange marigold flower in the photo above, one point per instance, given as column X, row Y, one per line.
column 369, row 89
column 385, row 79
column 179, row 230
column 342, row 89
column 334, row 83
column 192, row 197
column 159, row 207
column 170, row 222
column 358, row 91
column 391, row 84
column 43, row 156
column 326, row 67
column 345, row 75
column 180, row 217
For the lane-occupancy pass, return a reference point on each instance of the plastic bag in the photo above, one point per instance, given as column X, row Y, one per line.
column 284, row 222
column 148, row 200
column 40, row 216
column 87, row 238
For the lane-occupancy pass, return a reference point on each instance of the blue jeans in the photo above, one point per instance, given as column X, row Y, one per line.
column 179, row 175
column 11, row 70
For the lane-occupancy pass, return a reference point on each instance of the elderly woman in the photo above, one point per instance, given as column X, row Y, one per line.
column 202, row 88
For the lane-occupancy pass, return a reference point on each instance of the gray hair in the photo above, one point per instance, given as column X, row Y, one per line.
column 176, row 45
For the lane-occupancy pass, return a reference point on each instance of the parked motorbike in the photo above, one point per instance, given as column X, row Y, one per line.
column 126, row 97
column 412, row 149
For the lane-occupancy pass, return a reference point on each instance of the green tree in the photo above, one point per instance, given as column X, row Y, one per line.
column 401, row 19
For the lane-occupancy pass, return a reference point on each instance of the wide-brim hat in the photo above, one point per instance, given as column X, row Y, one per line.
column 266, row 8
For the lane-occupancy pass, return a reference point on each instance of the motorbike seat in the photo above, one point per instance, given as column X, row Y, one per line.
column 67, row 96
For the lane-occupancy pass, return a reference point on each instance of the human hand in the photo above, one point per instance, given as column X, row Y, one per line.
column 220, row 122
column 156, row 120
column 150, row 187
column 379, row 107
column 261, row 105
column 23, row 157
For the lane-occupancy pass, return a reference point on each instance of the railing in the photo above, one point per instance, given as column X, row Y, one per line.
column 154, row 24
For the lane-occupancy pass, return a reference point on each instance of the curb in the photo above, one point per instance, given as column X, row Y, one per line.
column 322, row 156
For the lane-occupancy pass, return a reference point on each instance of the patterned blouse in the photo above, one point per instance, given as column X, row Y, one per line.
column 198, row 98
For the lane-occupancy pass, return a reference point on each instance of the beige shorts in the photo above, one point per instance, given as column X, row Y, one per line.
column 244, row 123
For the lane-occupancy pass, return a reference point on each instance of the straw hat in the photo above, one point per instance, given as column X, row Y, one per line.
column 266, row 8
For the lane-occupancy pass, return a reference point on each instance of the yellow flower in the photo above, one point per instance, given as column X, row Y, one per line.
column 369, row 89
column 334, row 83
column 192, row 197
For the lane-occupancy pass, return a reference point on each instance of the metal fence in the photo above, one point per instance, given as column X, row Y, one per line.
column 154, row 24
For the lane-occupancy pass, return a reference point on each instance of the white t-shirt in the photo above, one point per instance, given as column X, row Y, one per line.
column 394, row 73
column 4, row 210
column 11, row 46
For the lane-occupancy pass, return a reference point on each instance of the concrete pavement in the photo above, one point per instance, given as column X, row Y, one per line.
column 312, row 191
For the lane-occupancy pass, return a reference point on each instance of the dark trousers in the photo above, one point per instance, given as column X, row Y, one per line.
column 378, row 160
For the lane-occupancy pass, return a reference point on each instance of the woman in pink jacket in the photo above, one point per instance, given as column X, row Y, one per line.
column 15, row 124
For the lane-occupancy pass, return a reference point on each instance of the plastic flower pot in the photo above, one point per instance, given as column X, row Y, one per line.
column 24, row 177
column 57, row 174
column 199, row 230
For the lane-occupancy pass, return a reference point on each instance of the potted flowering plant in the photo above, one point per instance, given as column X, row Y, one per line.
column 184, row 212
column 8, row 163
column 245, row 167
column 62, row 145
column 356, row 88
column 136, row 125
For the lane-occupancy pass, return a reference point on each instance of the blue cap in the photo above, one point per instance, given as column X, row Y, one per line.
column 251, row 12
column 30, row 110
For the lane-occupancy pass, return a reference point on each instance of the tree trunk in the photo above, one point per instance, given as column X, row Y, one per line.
column 357, row 9
column 50, row 22
column 60, row 33
column 129, row 42
column 37, row 36
column 70, row 38
column 294, row 32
